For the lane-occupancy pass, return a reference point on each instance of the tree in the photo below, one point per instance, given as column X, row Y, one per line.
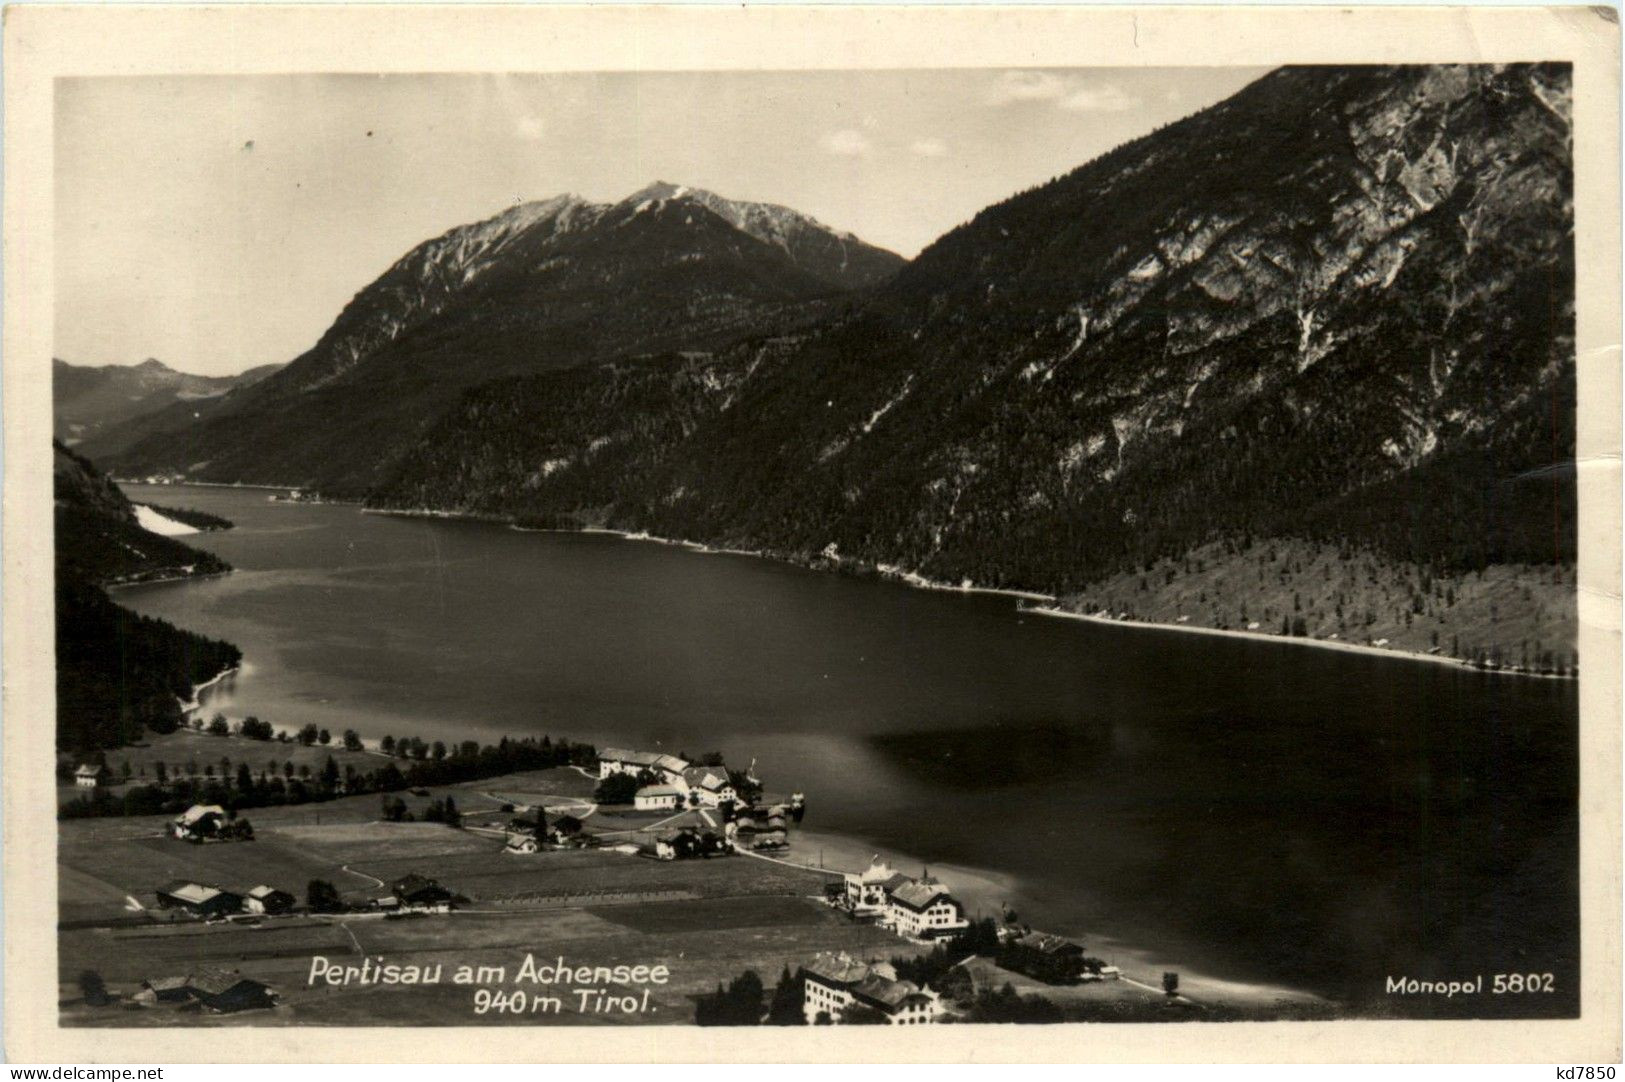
column 94, row 989
column 439, row 750
column 1170, row 983
column 352, row 740
column 616, row 789
column 330, row 774
column 387, row 745
column 861, row 1014
column 740, row 1004
column 785, row 1007
column 218, row 726
column 322, row 897
column 324, row 738
column 245, row 778
column 541, row 824
column 454, row 818
column 308, row 734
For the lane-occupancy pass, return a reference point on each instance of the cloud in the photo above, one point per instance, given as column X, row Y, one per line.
column 1109, row 98
column 848, row 142
column 530, row 127
column 1015, row 86
column 1065, row 91
column 928, row 147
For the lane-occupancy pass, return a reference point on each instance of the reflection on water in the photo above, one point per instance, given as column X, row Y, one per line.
column 999, row 755
column 1303, row 817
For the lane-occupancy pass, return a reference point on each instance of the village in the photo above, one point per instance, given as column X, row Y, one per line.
column 641, row 857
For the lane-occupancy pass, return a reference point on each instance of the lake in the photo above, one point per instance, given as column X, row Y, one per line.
column 1266, row 812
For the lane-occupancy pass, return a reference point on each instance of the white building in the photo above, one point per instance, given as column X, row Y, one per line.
column 867, row 891
column 923, row 909
column 917, row 908
column 834, row 982
column 657, row 798
column 708, row 786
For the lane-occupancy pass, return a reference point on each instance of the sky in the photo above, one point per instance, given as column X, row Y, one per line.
column 221, row 222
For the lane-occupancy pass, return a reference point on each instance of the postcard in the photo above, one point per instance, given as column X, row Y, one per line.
column 897, row 520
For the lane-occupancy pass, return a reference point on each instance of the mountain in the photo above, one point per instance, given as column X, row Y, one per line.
column 118, row 674
column 1337, row 307
column 86, row 401
column 541, row 286
column 838, row 258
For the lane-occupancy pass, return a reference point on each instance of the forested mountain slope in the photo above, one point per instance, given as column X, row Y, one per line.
column 1337, row 306
column 118, row 674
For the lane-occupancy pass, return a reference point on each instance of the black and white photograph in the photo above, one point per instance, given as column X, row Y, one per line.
column 910, row 546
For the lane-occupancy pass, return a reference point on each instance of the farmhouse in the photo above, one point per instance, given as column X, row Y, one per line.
column 87, row 776
column 970, row 977
column 562, row 828
column 834, row 982
column 686, row 844
column 657, row 797
column 521, row 836
column 267, row 899
column 669, row 768
column 227, row 993
column 199, row 822
column 215, row 989
column 164, row 990
column 420, row 893
column 708, row 786
column 1048, row 958
column 199, row 899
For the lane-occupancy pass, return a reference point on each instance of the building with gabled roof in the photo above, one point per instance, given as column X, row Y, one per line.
column 923, row 909
column 866, row 890
column 198, row 822
column 831, row 983
column 708, row 786
column 969, row 978
column 164, row 990
column 268, row 899
column 216, row 989
column 88, row 776
column 414, row 891
column 1047, row 957
column 669, row 768
column 199, row 899
column 657, row 798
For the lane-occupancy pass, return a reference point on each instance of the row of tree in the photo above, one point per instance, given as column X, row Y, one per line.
column 470, row 761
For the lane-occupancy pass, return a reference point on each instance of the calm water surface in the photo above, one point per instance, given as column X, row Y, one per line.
column 1299, row 816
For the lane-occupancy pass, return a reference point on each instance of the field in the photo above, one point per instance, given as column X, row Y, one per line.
column 706, row 920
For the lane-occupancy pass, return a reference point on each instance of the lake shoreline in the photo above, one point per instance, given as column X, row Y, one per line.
column 1291, row 640
column 1046, row 604
column 985, row 892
